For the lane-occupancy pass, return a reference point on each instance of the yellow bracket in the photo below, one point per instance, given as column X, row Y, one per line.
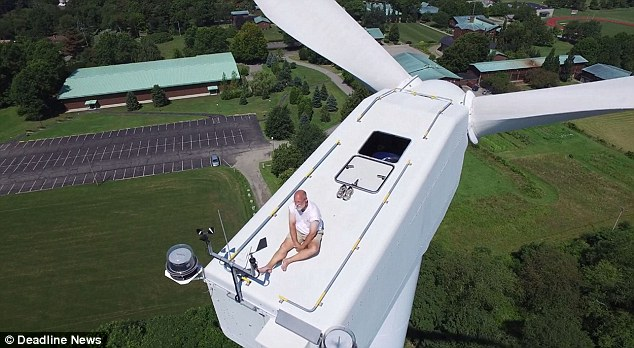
column 246, row 280
column 320, row 298
column 354, row 247
column 282, row 298
column 275, row 211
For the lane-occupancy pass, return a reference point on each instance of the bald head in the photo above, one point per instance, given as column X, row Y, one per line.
column 300, row 199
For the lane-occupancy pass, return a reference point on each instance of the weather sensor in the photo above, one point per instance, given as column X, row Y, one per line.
column 182, row 265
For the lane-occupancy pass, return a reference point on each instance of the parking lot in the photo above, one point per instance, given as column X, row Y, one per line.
column 43, row 164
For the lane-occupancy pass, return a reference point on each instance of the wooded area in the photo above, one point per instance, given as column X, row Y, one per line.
column 574, row 295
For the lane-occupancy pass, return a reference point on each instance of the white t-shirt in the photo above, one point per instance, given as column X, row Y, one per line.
column 303, row 219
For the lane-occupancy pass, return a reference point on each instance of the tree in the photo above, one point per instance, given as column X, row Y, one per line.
column 331, row 103
column 358, row 94
column 394, row 34
column 540, row 78
column 294, row 95
column 115, row 48
column 148, row 51
column 307, row 139
column 375, row 17
column 285, row 157
column 551, row 63
column 498, row 83
column 588, row 48
column 515, row 38
column 131, row 102
column 305, row 107
column 263, row 82
column 465, row 50
column 316, row 103
column 205, row 40
column 32, row 90
column 12, row 59
column 159, row 99
column 249, row 44
column 324, row 115
column 323, row 93
column 567, row 68
column 305, row 88
column 278, row 123
column 355, row 8
column 243, row 99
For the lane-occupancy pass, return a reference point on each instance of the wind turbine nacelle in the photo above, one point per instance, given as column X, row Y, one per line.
column 401, row 152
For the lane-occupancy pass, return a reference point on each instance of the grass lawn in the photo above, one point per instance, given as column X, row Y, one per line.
column 273, row 34
column 99, row 121
column 549, row 184
column 415, row 32
column 561, row 47
column 271, row 180
column 615, row 129
column 85, row 255
column 167, row 48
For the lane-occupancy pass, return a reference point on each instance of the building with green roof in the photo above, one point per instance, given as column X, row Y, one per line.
column 518, row 68
column 376, row 33
column 417, row 64
column 108, row 85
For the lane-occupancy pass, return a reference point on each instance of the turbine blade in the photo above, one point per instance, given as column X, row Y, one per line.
column 505, row 112
column 326, row 28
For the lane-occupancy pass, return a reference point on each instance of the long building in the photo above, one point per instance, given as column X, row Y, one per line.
column 109, row 85
column 518, row 68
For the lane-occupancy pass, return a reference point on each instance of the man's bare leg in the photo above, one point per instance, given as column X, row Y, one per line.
column 279, row 255
column 310, row 251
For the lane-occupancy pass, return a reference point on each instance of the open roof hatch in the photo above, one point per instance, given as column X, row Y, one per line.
column 369, row 173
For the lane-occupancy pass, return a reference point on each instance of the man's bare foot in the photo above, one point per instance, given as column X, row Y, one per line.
column 285, row 264
column 265, row 269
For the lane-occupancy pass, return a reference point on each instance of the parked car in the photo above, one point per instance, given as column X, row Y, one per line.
column 215, row 160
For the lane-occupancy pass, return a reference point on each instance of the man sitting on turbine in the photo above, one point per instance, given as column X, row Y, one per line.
column 305, row 230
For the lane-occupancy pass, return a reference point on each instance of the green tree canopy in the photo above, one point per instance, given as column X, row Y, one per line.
column 131, row 102
column 249, row 44
column 285, row 157
column 394, row 35
column 307, row 139
column 467, row 49
column 551, row 63
column 278, row 123
column 263, row 82
column 159, row 99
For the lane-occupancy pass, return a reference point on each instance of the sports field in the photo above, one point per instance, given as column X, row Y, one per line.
column 612, row 21
column 415, row 33
column 81, row 256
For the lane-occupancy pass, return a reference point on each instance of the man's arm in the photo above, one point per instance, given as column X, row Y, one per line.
column 311, row 235
column 293, row 230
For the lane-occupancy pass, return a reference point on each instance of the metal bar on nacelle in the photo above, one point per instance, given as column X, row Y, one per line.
column 374, row 102
column 436, row 118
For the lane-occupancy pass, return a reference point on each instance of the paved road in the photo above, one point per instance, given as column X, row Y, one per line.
column 336, row 79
